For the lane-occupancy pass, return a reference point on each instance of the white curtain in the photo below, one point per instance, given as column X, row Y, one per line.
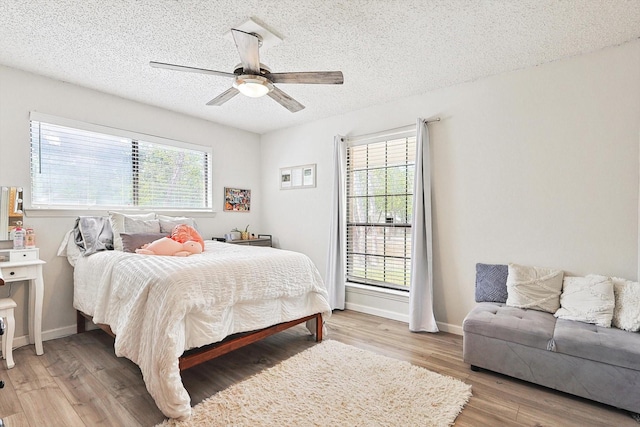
column 421, row 316
column 336, row 275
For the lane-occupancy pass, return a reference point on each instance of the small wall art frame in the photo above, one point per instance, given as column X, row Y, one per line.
column 295, row 177
column 237, row 200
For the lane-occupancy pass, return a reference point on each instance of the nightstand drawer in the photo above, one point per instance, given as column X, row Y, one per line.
column 23, row 255
column 12, row 274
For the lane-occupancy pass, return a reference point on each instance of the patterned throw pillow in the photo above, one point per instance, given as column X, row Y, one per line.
column 491, row 282
column 587, row 299
column 626, row 313
column 535, row 288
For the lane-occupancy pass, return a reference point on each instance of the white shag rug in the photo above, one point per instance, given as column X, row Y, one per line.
column 334, row 384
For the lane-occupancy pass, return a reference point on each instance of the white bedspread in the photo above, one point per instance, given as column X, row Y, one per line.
column 158, row 307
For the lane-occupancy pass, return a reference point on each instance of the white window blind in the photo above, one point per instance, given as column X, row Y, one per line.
column 80, row 165
column 379, row 209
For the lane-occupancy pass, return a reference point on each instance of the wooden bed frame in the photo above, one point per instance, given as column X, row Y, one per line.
column 196, row 356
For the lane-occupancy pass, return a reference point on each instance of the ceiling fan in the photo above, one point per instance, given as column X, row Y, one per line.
column 253, row 79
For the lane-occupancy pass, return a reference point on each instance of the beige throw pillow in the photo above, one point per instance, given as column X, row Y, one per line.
column 587, row 299
column 536, row 288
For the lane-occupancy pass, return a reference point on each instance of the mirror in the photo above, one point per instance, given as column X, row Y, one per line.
column 11, row 210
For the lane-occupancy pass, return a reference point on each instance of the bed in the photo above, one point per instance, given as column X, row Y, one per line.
column 165, row 312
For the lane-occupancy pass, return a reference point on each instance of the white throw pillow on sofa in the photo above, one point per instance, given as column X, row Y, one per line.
column 587, row 299
column 536, row 288
column 626, row 313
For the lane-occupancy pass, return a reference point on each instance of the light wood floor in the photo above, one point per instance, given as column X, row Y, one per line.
column 80, row 382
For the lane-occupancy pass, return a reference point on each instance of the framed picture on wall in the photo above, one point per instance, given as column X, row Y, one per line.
column 237, row 200
column 285, row 178
column 298, row 177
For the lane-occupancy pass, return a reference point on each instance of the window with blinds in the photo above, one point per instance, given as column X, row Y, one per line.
column 78, row 165
column 379, row 208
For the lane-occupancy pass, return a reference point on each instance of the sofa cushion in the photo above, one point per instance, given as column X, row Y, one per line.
column 607, row 345
column 587, row 299
column 536, row 288
column 491, row 282
column 531, row 328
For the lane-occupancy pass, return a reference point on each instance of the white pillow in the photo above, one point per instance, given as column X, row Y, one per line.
column 118, row 225
column 535, row 288
column 587, row 299
column 626, row 313
column 141, row 225
column 167, row 223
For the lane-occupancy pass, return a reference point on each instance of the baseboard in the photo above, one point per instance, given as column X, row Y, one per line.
column 20, row 341
column 377, row 312
column 447, row 327
column 386, row 303
column 51, row 334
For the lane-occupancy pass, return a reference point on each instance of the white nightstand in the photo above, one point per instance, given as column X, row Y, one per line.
column 25, row 265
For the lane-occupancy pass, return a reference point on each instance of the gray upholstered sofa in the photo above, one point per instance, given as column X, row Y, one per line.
column 598, row 363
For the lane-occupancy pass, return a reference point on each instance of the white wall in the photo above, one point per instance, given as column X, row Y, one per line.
column 537, row 166
column 236, row 163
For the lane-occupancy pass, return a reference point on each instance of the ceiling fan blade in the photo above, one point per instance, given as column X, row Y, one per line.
column 285, row 100
column 189, row 69
column 247, row 45
column 224, row 97
column 308, row 77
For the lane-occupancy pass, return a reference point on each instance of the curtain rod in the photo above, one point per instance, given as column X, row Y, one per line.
column 388, row 132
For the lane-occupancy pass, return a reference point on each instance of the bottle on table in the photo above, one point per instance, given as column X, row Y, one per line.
column 30, row 238
column 18, row 236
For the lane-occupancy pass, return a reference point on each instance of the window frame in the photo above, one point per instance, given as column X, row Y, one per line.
column 134, row 137
column 389, row 135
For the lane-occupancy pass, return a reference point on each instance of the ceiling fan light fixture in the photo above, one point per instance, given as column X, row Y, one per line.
column 253, row 86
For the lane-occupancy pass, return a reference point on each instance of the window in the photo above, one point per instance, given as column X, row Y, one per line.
column 79, row 165
column 379, row 208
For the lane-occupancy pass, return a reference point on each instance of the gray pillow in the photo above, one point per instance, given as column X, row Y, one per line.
column 491, row 282
column 133, row 241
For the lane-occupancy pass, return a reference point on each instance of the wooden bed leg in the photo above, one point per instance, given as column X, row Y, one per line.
column 80, row 322
column 319, row 326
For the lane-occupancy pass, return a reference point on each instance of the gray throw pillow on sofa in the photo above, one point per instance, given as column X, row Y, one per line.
column 491, row 282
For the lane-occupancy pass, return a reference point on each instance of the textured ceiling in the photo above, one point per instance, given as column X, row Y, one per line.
column 387, row 49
